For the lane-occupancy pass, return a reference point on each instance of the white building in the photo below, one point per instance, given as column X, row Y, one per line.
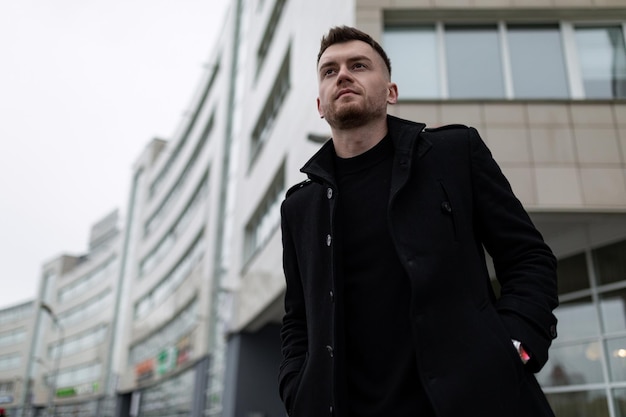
column 75, row 320
column 16, row 332
column 175, row 255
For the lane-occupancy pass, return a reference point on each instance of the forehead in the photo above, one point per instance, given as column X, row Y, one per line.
column 344, row 51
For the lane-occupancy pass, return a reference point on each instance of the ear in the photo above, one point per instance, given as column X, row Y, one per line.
column 319, row 108
column 392, row 95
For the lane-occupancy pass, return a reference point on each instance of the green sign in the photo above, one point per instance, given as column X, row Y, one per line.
column 166, row 360
column 88, row 388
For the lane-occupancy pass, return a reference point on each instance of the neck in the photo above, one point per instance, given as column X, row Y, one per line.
column 357, row 140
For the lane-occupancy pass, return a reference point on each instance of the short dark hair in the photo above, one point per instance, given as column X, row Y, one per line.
column 341, row 34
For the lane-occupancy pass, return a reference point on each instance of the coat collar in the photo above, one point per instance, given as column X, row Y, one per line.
column 406, row 139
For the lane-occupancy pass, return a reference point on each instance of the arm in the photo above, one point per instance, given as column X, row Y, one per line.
column 525, row 266
column 294, row 339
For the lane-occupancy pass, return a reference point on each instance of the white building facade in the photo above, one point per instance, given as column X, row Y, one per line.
column 16, row 333
column 75, row 315
column 175, row 255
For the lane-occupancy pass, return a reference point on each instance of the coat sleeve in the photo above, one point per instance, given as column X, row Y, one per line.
column 525, row 266
column 294, row 339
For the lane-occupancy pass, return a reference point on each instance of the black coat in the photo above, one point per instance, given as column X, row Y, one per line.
column 448, row 199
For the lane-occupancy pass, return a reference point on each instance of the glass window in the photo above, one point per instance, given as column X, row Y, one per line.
column 577, row 319
column 171, row 281
column 613, row 307
column 6, row 387
column 270, row 30
column 270, row 111
column 159, row 214
column 170, row 398
column 91, row 307
column 616, row 350
column 417, row 74
column 573, row 365
column 602, row 56
column 619, row 400
column 169, row 335
column 78, row 374
column 537, row 62
column 580, row 403
column 476, row 67
column 266, row 218
column 16, row 313
column 10, row 361
column 474, row 62
column 572, row 274
column 589, row 356
column 12, row 336
column 610, row 263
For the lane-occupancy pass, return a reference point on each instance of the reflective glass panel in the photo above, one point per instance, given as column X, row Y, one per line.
column 537, row 62
column 413, row 55
column 577, row 320
column 572, row 273
column 580, row 403
column 610, row 263
column 619, row 401
column 613, row 307
column 616, row 349
column 602, row 56
column 572, row 365
column 171, row 398
column 474, row 62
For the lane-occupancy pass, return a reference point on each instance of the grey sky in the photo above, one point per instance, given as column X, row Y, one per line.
column 84, row 86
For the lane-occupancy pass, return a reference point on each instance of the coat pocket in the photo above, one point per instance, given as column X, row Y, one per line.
column 291, row 391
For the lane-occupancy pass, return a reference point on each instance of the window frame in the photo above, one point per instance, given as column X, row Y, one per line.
column 567, row 30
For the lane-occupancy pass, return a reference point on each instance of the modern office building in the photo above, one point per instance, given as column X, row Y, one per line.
column 16, row 331
column 545, row 84
column 75, row 314
column 175, row 252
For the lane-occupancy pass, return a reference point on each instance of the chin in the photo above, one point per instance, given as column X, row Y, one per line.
column 351, row 120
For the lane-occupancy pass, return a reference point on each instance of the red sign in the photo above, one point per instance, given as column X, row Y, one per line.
column 144, row 370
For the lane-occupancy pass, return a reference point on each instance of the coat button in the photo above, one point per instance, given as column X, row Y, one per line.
column 331, row 410
column 446, row 207
column 553, row 331
column 329, row 240
column 332, row 296
column 329, row 193
column 330, row 351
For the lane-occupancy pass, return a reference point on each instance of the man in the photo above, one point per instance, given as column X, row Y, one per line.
column 389, row 308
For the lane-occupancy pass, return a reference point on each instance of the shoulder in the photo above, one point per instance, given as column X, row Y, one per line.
column 453, row 140
column 459, row 128
column 451, row 135
column 298, row 187
column 298, row 198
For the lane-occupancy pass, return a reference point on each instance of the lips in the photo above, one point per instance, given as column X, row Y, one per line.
column 344, row 91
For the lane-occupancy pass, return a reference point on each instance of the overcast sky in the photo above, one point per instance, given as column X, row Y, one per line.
column 84, row 86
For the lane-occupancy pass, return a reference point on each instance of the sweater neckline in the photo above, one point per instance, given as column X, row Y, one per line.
column 381, row 151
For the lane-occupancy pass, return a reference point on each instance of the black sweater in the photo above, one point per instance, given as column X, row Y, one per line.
column 380, row 368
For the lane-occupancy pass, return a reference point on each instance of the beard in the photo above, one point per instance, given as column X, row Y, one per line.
column 353, row 114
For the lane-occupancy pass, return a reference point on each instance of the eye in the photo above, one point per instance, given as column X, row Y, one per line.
column 359, row 65
column 328, row 71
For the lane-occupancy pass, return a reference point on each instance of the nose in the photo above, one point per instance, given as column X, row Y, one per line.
column 343, row 75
